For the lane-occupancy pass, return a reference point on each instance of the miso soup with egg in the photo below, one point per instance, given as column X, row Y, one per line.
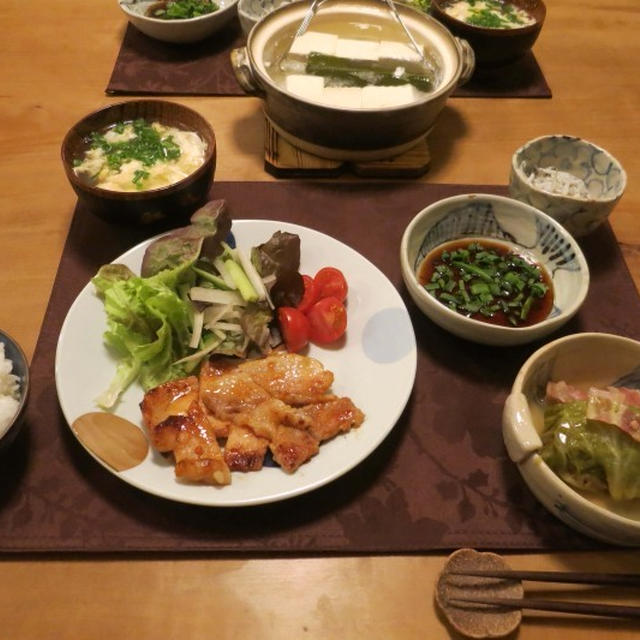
column 140, row 156
column 490, row 14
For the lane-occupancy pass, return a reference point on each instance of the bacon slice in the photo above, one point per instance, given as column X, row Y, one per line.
column 619, row 407
column 560, row 392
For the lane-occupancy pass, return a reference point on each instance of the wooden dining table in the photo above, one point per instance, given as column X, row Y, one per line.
column 56, row 60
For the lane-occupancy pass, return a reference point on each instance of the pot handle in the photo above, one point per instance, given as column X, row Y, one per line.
column 244, row 73
column 520, row 436
column 467, row 59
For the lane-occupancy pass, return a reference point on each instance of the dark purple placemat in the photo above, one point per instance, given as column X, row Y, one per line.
column 440, row 480
column 145, row 66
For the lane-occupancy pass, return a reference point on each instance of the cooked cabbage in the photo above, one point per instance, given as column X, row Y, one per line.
column 588, row 454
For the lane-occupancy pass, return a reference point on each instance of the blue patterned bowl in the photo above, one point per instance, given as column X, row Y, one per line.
column 523, row 227
column 20, row 369
column 583, row 359
column 581, row 200
column 250, row 12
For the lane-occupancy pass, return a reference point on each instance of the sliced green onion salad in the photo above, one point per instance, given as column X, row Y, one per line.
column 487, row 281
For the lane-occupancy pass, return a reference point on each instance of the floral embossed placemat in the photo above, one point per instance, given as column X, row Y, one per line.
column 145, row 66
column 440, row 480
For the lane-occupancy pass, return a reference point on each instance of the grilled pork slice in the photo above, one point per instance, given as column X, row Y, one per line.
column 279, row 403
column 177, row 423
column 331, row 416
column 226, row 391
column 290, row 377
column 284, row 429
column 244, row 450
column 291, row 447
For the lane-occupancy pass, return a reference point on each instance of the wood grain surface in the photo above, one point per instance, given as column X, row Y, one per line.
column 57, row 59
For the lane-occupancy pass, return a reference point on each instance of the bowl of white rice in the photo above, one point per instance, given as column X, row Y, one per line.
column 14, row 388
column 574, row 181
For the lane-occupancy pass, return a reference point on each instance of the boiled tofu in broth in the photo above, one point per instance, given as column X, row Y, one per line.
column 350, row 65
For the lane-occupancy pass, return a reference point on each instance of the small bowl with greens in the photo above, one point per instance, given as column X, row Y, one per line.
column 493, row 270
column 572, row 425
column 141, row 161
column 179, row 21
column 499, row 31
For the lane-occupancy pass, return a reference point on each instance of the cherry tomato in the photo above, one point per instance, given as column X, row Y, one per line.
column 327, row 320
column 294, row 327
column 330, row 282
column 310, row 294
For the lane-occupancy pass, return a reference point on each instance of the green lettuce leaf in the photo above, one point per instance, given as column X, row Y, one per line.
column 148, row 326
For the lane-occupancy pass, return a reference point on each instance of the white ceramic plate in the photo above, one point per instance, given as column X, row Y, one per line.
column 375, row 367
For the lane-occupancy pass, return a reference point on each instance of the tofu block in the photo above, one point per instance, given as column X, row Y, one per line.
column 398, row 51
column 316, row 41
column 376, row 97
column 358, row 49
column 345, row 97
column 305, row 86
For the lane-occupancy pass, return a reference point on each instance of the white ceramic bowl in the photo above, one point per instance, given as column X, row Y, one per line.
column 250, row 12
column 584, row 358
column 602, row 177
column 178, row 31
column 20, row 369
column 509, row 221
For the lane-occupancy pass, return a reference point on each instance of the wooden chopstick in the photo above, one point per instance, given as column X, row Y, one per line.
column 589, row 608
column 568, row 577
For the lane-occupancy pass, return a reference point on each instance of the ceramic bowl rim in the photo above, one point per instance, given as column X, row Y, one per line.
column 554, row 322
column 252, row 16
column 140, row 16
column 515, row 167
column 555, row 481
column 25, row 383
column 487, row 31
column 131, row 196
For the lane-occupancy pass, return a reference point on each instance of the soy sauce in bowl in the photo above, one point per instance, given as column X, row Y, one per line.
column 488, row 281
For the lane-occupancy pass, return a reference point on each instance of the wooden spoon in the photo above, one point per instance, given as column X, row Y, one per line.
column 116, row 441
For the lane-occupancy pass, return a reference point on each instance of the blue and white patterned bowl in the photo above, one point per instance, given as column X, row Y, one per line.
column 582, row 358
column 20, row 368
column 602, row 176
column 250, row 12
column 514, row 223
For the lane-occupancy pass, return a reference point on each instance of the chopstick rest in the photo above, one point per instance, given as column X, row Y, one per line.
column 478, row 594
column 474, row 620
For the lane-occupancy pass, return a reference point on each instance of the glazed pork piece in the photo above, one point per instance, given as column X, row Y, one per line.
column 281, row 403
column 177, row 422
